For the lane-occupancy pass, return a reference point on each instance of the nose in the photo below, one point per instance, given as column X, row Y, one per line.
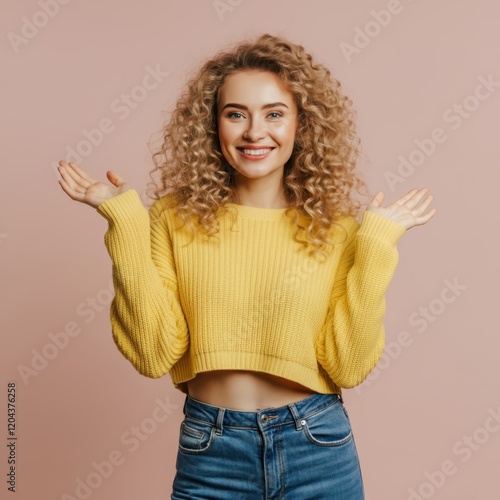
column 255, row 130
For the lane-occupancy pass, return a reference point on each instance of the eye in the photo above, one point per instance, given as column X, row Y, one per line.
column 231, row 114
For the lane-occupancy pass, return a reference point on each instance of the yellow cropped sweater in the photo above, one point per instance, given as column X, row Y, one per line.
column 252, row 300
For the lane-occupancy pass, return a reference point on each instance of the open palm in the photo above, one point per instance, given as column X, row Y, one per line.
column 81, row 187
column 409, row 210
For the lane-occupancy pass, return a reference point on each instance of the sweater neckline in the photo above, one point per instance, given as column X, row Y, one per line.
column 249, row 212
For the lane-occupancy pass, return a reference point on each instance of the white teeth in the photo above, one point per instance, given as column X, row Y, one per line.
column 256, row 152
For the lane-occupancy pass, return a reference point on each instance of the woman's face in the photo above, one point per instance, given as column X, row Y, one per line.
column 256, row 110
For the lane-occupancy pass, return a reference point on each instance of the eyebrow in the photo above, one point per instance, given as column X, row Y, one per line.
column 241, row 106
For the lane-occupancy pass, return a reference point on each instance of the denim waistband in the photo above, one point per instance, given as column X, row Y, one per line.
column 222, row 417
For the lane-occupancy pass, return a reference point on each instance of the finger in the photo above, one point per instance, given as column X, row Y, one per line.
column 69, row 181
column 425, row 218
column 82, row 174
column 115, row 178
column 416, row 198
column 79, row 176
column 71, row 177
column 423, row 206
column 377, row 199
column 69, row 190
column 404, row 199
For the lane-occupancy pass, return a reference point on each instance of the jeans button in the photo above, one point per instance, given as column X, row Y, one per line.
column 263, row 419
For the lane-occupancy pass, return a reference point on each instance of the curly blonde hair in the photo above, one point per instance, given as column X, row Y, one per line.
column 318, row 178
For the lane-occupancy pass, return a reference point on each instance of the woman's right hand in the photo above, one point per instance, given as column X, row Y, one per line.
column 81, row 187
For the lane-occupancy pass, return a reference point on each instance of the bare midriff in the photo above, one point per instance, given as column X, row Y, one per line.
column 245, row 390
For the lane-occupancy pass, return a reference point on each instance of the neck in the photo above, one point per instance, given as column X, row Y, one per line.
column 260, row 199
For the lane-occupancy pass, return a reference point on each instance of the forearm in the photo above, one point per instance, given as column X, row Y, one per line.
column 353, row 336
column 147, row 321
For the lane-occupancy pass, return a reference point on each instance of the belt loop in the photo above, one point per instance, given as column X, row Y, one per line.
column 340, row 397
column 296, row 416
column 220, row 421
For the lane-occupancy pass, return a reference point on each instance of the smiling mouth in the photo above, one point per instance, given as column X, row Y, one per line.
column 255, row 152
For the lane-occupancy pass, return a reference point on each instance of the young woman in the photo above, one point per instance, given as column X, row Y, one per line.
column 249, row 278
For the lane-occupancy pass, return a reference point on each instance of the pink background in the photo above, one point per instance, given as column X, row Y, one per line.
column 431, row 403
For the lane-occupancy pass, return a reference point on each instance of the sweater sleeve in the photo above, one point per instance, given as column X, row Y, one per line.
column 352, row 339
column 147, row 321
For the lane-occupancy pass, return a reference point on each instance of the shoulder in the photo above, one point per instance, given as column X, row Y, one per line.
column 163, row 207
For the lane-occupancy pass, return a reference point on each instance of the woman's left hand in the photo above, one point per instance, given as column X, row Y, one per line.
column 408, row 210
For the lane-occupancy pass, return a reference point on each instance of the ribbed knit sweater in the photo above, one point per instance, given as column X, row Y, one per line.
column 252, row 300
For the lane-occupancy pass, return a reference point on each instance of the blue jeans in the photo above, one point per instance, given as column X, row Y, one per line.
column 301, row 451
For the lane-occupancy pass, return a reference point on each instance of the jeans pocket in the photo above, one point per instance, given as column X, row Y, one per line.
column 346, row 412
column 195, row 436
column 328, row 427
